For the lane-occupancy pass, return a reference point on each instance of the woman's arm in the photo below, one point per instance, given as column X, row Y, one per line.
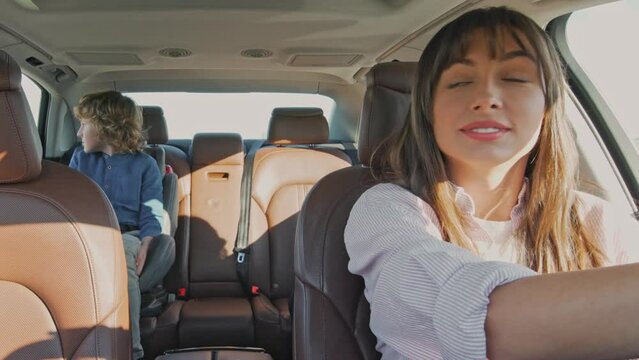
column 591, row 314
column 428, row 297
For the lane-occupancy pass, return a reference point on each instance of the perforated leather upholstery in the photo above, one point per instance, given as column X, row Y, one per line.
column 64, row 287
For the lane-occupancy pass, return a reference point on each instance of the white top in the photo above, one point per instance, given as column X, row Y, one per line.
column 429, row 298
column 500, row 244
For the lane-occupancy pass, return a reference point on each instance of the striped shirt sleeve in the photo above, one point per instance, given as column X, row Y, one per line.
column 428, row 298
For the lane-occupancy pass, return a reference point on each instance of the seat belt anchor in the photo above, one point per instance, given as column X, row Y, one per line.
column 241, row 257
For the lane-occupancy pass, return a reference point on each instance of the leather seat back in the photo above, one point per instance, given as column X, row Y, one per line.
column 64, row 286
column 282, row 176
column 176, row 281
column 331, row 314
column 177, row 193
column 154, row 124
column 217, row 166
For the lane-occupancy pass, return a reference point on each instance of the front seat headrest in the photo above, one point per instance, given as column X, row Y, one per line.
column 154, row 123
column 386, row 104
column 291, row 126
column 20, row 148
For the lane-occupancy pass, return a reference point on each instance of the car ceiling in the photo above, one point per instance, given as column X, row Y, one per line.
column 329, row 41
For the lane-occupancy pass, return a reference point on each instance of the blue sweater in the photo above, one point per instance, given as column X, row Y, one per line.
column 133, row 184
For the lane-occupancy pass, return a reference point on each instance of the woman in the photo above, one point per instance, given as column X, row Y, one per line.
column 479, row 196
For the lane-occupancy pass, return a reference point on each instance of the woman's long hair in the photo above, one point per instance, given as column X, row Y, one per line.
column 554, row 237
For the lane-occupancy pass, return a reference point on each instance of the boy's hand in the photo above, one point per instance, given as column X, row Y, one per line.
column 144, row 249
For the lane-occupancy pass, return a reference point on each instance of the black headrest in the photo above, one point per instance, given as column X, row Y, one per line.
column 386, row 104
column 217, row 148
column 290, row 126
column 155, row 125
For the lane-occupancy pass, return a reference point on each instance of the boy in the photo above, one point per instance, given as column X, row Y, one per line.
column 111, row 155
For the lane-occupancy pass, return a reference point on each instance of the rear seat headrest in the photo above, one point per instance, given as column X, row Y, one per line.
column 291, row 126
column 216, row 148
column 386, row 104
column 20, row 147
column 154, row 123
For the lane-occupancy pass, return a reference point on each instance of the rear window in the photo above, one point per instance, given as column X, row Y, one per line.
column 245, row 113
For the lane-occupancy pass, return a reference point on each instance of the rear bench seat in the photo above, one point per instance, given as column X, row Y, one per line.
column 219, row 312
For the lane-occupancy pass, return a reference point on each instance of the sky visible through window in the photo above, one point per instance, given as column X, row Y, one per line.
column 33, row 94
column 603, row 40
column 245, row 113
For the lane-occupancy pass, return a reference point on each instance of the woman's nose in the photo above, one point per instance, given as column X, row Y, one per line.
column 488, row 97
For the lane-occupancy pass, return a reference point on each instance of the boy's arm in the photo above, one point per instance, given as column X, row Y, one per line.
column 151, row 211
column 151, row 208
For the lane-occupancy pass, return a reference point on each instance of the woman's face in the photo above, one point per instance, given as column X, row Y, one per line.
column 488, row 111
column 89, row 136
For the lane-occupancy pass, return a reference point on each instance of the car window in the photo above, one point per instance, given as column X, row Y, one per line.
column 33, row 93
column 245, row 113
column 609, row 56
column 597, row 174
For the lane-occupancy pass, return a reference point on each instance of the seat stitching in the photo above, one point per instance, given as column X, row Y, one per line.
column 16, row 132
column 82, row 241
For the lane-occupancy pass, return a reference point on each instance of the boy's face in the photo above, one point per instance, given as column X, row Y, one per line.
column 89, row 136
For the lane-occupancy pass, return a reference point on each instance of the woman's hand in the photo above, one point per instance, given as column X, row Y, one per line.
column 144, row 249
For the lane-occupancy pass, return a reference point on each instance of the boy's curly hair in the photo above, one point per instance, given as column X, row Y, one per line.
column 117, row 119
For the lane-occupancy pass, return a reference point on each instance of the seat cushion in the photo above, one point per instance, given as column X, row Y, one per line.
column 273, row 325
column 216, row 322
column 282, row 306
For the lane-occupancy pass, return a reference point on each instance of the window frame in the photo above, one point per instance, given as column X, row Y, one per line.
column 620, row 149
column 42, row 111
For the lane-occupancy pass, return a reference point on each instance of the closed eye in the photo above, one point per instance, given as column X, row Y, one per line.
column 458, row 84
column 516, row 80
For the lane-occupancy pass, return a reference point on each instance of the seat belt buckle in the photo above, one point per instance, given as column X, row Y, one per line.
column 181, row 292
column 255, row 290
column 241, row 256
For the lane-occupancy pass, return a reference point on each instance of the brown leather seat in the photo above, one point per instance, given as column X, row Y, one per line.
column 176, row 281
column 159, row 320
column 64, row 286
column 282, row 176
column 154, row 124
column 331, row 315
